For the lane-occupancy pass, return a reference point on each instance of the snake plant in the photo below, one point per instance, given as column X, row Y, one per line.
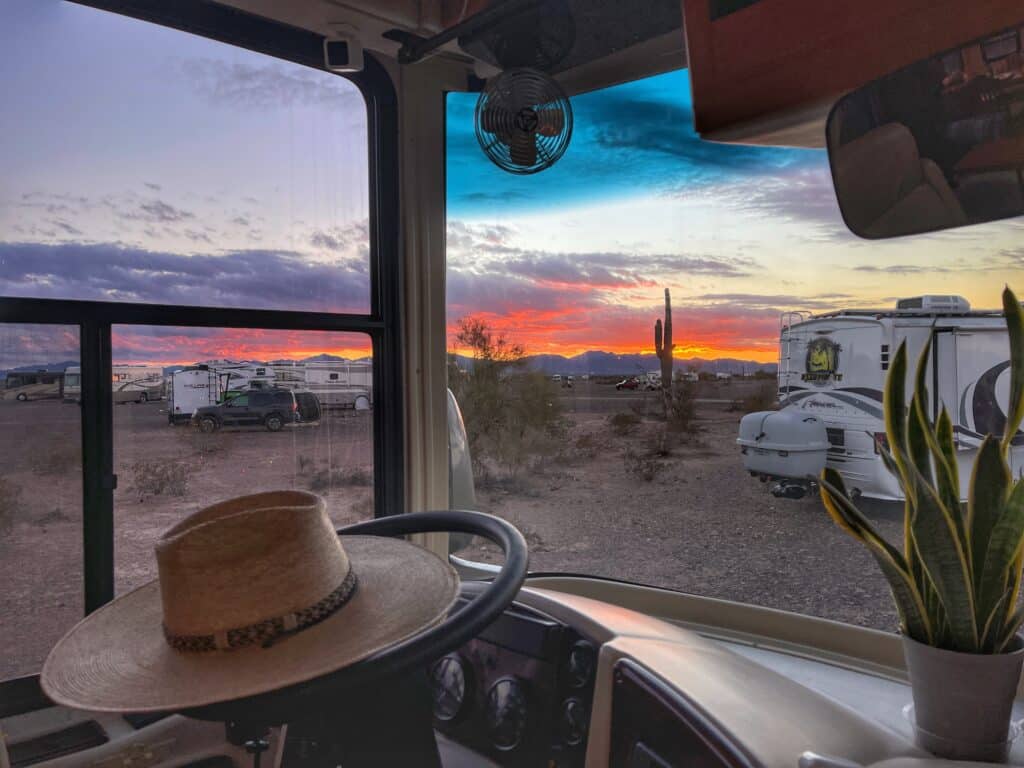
column 957, row 578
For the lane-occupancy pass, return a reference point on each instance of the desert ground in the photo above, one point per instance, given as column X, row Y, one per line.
column 615, row 501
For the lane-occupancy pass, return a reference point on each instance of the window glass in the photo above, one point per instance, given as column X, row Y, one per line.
column 193, row 445
column 164, row 167
column 555, row 285
column 40, row 494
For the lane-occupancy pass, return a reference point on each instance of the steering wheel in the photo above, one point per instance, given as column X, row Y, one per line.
column 296, row 701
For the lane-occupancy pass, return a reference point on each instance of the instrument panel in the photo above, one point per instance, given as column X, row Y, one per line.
column 520, row 692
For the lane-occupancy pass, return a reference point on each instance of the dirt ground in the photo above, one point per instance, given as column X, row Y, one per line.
column 700, row 524
column 164, row 473
column 689, row 520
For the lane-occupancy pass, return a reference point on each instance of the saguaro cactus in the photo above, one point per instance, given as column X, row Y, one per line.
column 663, row 348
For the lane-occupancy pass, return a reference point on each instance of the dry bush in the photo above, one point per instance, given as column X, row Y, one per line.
column 764, row 398
column 681, row 410
column 204, row 444
column 352, row 477
column 160, row 478
column 10, row 502
column 623, row 423
column 645, row 468
column 60, row 459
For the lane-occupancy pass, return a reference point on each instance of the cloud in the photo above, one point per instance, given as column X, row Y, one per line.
column 902, row 269
column 23, row 345
column 356, row 235
column 777, row 302
column 269, row 85
column 151, row 185
column 245, row 278
column 155, row 211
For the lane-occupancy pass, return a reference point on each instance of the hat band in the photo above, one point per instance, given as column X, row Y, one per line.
column 268, row 631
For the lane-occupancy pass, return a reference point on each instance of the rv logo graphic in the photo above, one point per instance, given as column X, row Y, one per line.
column 822, row 361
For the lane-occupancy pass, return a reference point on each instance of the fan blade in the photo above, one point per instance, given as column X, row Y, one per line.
column 495, row 119
column 524, row 148
column 550, row 122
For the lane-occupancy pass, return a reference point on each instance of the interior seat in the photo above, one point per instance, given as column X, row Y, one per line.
column 886, row 188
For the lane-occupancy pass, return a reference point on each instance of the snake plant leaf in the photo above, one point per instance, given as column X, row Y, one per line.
column 920, row 431
column 994, row 626
column 986, row 497
column 945, row 559
column 895, row 410
column 1004, row 549
column 1015, row 328
column 913, row 617
column 1013, row 625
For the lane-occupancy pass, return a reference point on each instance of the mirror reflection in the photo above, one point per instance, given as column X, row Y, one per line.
column 936, row 145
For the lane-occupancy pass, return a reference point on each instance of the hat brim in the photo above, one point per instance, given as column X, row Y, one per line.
column 117, row 659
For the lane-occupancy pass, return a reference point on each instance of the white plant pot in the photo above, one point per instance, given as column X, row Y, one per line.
column 963, row 701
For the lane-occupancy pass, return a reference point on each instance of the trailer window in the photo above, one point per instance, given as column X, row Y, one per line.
column 555, row 283
column 172, row 169
column 40, row 494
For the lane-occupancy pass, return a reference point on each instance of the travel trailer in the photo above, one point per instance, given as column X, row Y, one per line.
column 833, row 367
column 211, row 383
column 129, row 383
column 515, row 182
column 336, row 383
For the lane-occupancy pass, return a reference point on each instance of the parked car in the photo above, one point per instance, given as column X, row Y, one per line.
column 272, row 408
column 631, row 383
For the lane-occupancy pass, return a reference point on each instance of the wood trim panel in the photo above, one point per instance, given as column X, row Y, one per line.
column 781, row 56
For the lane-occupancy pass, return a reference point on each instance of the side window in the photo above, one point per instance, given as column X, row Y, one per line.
column 259, row 399
column 239, row 402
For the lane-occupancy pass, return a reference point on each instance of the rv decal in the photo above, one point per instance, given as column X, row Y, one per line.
column 822, row 362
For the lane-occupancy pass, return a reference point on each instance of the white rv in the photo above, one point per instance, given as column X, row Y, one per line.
column 832, row 370
column 210, row 383
column 129, row 384
column 336, row 383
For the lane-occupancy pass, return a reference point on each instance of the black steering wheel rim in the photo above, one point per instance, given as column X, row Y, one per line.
column 283, row 705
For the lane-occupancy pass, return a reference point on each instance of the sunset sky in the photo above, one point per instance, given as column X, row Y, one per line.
column 162, row 167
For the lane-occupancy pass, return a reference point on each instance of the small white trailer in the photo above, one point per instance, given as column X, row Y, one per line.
column 210, row 383
column 833, row 367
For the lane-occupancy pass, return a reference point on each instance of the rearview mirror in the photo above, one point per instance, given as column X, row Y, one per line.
column 936, row 145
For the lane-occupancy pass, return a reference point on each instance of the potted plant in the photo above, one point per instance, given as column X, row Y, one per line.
column 956, row 581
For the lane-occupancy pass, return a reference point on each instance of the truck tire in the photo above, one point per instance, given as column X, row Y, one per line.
column 207, row 424
column 362, row 403
column 274, row 422
column 22, row 397
column 144, row 398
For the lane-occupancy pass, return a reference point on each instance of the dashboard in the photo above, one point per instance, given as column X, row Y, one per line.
column 519, row 693
column 578, row 672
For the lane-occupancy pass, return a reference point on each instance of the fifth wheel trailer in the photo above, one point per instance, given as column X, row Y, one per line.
column 833, row 366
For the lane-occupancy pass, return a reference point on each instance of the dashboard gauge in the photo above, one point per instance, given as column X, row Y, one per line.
column 506, row 713
column 449, row 682
column 574, row 722
column 582, row 661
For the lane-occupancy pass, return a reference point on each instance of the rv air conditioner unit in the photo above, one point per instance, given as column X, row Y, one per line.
column 934, row 304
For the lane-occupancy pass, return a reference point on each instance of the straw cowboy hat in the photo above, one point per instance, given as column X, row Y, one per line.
column 254, row 594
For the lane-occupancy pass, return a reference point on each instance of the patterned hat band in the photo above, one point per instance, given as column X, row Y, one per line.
column 267, row 632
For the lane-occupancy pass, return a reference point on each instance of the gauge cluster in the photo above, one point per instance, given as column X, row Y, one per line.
column 520, row 692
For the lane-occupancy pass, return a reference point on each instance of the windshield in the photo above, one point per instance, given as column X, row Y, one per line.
column 566, row 273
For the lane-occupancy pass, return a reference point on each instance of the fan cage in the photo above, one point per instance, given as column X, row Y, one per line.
column 511, row 104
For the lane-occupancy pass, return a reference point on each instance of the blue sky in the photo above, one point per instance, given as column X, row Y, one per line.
column 631, row 140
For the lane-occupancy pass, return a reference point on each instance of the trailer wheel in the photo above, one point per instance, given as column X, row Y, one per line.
column 22, row 397
column 144, row 398
column 274, row 422
column 362, row 403
column 207, row 425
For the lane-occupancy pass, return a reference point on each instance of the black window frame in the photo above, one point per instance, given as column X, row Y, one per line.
column 382, row 324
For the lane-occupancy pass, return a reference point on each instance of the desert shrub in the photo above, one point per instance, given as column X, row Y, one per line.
column 680, row 408
column 206, row 444
column 623, row 423
column 324, row 479
column 764, row 398
column 160, row 478
column 645, row 468
column 58, row 459
column 513, row 417
column 10, row 502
